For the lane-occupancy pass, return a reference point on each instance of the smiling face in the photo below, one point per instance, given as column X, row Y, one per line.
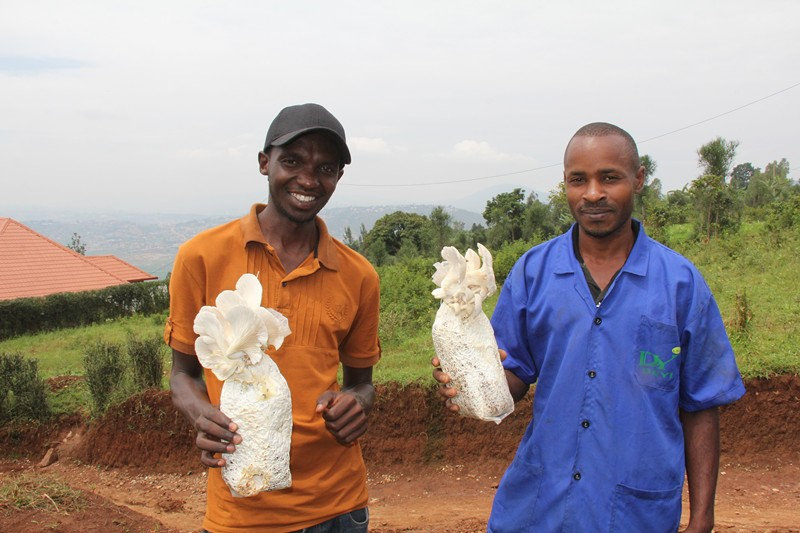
column 302, row 176
column 601, row 182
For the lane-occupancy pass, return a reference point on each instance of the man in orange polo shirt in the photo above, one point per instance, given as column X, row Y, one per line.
column 330, row 295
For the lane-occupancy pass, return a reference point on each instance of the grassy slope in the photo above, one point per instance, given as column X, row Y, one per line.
column 752, row 263
column 762, row 268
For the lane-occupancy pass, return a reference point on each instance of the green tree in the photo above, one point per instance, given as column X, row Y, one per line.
column 348, row 239
column 76, row 245
column 504, row 216
column 560, row 214
column 391, row 229
column 536, row 218
column 376, row 253
column 715, row 204
column 772, row 185
column 741, row 174
column 441, row 227
column 651, row 190
column 716, row 157
column 679, row 206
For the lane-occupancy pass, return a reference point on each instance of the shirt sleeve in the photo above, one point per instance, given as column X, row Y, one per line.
column 361, row 347
column 709, row 374
column 509, row 322
column 186, row 297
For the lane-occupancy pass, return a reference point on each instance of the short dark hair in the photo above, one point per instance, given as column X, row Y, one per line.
column 601, row 129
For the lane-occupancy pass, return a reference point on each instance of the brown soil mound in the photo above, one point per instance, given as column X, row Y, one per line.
column 408, row 425
column 144, row 431
column 764, row 422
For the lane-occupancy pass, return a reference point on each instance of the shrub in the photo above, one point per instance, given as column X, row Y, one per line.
column 406, row 292
column 505, row 257
column 105, row 368
column 70, row 309
column 146, row 357
column 22, row 390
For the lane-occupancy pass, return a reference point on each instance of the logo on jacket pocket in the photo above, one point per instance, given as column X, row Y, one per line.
column 659, row 366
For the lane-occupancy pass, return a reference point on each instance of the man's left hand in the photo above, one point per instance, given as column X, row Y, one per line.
column 344, row 415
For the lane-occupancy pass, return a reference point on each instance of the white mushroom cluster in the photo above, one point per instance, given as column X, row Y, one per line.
column 463, row 337
column 233, row 337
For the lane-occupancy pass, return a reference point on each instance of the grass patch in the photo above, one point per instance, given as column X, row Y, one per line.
column 763, row 266
column 60, row 353
column 74, row 398
column 34, row 490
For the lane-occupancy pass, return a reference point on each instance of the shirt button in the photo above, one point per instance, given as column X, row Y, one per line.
column 585, row 423
column 598, row 320
column 576, row 476
column 283, row 284
column 592, row 374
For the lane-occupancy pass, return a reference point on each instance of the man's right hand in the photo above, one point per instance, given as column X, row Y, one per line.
column 446, row 391
column 216, row 433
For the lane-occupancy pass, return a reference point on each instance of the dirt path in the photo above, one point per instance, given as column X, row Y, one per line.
column 427, row 472
column 449, row 498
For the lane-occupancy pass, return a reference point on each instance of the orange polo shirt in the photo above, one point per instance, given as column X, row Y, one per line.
column 331, row 301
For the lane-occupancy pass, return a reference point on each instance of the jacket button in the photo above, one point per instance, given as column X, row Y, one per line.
column 576, row 476
column 592, row 374
column 598, row 320
column 585, row 423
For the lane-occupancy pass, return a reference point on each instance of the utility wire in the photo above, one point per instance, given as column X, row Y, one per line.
column 464, row 180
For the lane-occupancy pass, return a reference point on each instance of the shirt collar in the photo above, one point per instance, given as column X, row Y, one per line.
column 566, row 262
column 327, row 253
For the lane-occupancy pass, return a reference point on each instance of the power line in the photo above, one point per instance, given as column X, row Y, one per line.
column 465, row 180
column 721, row 114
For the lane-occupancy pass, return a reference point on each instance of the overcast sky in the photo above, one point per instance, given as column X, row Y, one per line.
column 162, row 106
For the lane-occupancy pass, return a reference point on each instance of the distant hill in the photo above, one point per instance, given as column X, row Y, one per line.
column 151, row 241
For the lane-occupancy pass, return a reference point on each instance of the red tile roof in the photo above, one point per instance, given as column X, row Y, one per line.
column 120, row 268
column 33, row 265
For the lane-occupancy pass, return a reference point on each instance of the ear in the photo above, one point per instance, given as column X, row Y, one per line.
column 639, row 180
column 263, row 162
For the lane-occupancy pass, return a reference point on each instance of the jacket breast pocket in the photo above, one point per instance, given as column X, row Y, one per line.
column 657, row 357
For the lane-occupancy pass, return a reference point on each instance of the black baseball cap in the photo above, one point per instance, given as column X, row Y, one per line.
column 297, row 120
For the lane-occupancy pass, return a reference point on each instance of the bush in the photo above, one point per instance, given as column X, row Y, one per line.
column 505, row 257
column 22, row 390
column 146, row 357
column 105, row 368
column 406, row 299
column 70, row 309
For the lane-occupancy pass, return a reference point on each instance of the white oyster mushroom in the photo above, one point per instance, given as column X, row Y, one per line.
column 233, row 336
column 463, row 337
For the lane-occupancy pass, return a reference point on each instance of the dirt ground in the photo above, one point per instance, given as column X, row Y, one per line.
column 428, row 471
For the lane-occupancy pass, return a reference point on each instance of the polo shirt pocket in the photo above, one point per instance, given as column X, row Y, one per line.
column 635, row 510
column 657, row 357
column 515, row 502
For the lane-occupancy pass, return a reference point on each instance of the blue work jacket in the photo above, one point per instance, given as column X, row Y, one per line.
column 604, row 449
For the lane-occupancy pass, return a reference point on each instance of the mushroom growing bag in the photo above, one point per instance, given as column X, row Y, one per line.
column 233, row 338
column 463, row 337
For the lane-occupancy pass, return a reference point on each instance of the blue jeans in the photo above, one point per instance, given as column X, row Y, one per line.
column 352, row 522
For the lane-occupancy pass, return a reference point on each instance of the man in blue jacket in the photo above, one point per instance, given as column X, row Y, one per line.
column 631, row 360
